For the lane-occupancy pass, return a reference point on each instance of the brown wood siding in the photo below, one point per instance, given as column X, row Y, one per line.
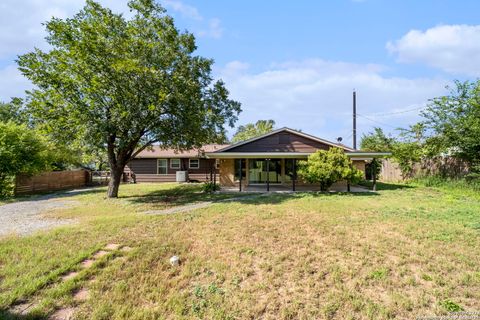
column 146, row 170
column 281, row 142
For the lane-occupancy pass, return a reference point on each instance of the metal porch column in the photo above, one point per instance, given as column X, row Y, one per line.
column 268, row 175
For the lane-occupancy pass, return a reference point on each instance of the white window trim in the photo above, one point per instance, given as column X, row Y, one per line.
column 179, row 164
column 166, row 167
column 190, row 164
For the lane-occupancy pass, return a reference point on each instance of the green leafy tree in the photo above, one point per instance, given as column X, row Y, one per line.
column 327, row 167
column 376, row 141
column 22, row 150
column 252, row 130
column 454, row 122
column 13, row 111
column 124, row 84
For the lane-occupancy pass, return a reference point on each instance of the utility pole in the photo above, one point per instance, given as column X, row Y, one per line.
column 354, row 120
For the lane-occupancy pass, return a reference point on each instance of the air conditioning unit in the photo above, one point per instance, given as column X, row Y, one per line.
column 182, row 176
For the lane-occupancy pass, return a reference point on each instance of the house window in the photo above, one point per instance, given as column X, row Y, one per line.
column 175, row 163
column 194, row 163
column 217, row 164
column 238, row 163
column 162, row 166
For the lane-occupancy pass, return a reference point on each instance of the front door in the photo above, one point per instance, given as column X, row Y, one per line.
column 258, row 173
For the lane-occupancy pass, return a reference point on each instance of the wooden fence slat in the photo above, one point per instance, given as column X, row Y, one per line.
column 50, row 181
column 444, row 166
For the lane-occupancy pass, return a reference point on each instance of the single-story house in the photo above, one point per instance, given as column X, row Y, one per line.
column 161, row 165
column 269, row 159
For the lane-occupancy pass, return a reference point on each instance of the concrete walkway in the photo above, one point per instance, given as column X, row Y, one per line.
column 200, row 205
column 258, row 191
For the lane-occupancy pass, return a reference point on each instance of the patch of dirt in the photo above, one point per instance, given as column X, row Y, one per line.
column 22, row 308
column 81, row 295
column 69, row 275
column 100, row 254
column 87, row 263
column 63, row 314
column 112, row 246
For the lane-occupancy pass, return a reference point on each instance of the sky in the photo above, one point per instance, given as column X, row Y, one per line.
column 298, row 62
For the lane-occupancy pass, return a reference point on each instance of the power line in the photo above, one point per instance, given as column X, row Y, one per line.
column 398, row 112
column 385, row 124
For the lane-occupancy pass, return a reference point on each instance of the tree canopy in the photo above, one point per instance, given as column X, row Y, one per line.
column 327, row 167
column 124, row 84
column 22, row 150
column 251, row 130
column 13, row 111
column 454, row 121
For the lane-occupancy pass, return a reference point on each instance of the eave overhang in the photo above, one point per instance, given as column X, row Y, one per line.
column 276, row 155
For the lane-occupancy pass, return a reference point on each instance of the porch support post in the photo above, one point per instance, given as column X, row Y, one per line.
column 240, row 175
column 215, row 176
column 268, row 175
column 373, row 168
column 294, row 173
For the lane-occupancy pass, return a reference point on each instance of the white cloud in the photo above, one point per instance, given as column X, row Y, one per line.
column 21, row 21
column 316, row 95
column 184, row 9
column 452, row 48
column 209, row 29
column 214, row 29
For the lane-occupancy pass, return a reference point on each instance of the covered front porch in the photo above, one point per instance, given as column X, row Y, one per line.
column 275, row 172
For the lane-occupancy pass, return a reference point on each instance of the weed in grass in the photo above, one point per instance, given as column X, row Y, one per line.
column 450, row 306
column 379, row 274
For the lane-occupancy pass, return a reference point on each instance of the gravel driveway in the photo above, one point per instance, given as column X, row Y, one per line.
column 25, row 217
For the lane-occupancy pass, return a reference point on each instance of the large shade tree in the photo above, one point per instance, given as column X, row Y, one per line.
column 125, row 84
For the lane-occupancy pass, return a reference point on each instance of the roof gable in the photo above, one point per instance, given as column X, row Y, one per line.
column 283, row 140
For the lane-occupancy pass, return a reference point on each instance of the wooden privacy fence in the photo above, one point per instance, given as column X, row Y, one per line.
column 448, row 167
column 51, row 181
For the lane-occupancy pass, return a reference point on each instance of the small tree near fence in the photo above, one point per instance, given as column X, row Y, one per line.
column 327, row 167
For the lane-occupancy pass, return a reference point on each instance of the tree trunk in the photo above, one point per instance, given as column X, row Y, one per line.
column 115, row 179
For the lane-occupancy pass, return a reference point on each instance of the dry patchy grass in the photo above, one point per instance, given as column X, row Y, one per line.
column 397, row 254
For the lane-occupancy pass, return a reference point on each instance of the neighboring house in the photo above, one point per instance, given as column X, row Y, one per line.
column 270, row 159
column 161, row 165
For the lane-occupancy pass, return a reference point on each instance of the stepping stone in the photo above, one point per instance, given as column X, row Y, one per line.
column 63, row 314
column 81, row 295
column 100, row 254
column 87, row 263
column 22, row 308
column 126, row 248
column 112, row 246
column 69, row 275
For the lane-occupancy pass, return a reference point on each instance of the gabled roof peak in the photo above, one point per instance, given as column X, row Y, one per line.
column 290, row 130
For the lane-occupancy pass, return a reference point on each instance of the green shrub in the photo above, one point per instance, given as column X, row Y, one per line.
column 209, row 187
column 327, row 167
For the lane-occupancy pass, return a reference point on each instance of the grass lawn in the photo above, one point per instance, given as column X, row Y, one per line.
column 403, row 252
